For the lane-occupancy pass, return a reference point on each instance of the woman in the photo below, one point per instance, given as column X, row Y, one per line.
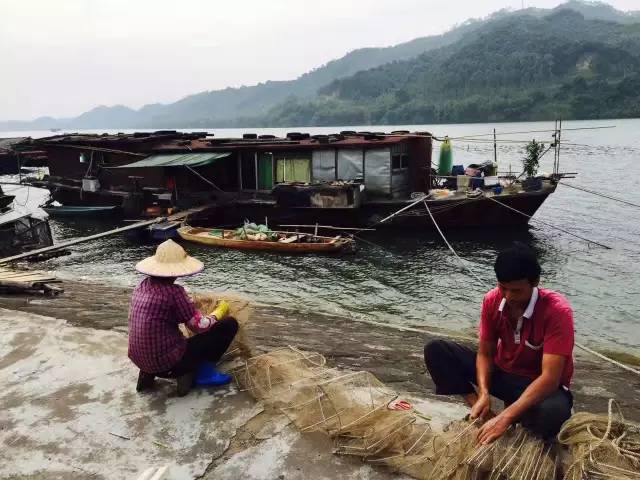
column 158, row 307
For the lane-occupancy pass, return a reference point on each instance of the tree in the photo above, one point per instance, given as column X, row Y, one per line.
column 530, row 162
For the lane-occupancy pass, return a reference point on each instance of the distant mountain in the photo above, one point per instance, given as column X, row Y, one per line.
column 438, row 78
column 600, row 11
column 520, row 67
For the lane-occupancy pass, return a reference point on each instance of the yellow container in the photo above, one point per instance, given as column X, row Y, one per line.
column 221, row 311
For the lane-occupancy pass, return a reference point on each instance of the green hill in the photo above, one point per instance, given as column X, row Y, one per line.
column 522, row 67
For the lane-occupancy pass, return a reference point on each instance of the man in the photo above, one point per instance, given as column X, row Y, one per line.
column 524, row 358
column 158, row 306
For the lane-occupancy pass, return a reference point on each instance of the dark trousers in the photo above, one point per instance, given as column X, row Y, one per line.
column 204, row 347
column 453, row 369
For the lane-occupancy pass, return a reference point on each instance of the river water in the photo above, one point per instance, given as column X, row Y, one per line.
column 411, row 278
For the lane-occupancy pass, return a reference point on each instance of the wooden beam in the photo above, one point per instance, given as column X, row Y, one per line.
column 145, row 223
column 331, row 228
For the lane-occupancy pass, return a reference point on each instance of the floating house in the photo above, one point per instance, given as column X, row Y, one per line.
column 350, row 178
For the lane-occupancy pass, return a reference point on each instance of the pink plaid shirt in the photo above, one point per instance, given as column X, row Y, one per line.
column 157, row 308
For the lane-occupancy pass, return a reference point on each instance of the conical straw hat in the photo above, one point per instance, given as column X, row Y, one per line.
column 170, row 260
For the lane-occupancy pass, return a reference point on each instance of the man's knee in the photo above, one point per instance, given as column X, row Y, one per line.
column 435, row 351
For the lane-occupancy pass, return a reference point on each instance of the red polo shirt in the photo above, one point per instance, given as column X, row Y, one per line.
column 547, row 327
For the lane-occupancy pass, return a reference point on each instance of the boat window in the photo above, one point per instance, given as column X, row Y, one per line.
column 323, row 165
column 293, row 169
column 399, row 161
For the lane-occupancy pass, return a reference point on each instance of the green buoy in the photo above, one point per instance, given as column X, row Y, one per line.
column 445, row 164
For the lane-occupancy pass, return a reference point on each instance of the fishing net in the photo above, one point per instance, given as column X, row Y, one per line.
column 278, row 377
column 353, row 409
column 239, row 308
column 602, row 446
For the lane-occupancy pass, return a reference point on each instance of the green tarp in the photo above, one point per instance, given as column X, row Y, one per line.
column 177, row 160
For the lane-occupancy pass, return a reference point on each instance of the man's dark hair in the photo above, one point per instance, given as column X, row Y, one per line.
column 518, row 262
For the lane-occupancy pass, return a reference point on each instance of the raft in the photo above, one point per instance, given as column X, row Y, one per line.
column 288, row 242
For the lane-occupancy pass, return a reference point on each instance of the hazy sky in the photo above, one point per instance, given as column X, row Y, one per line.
column 63, row 57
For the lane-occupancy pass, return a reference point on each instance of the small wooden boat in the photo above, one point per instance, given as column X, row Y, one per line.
column 290, row 242
column 158, row 232
column 80, row 211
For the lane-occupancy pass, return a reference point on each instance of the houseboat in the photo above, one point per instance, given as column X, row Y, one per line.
column 344, row 179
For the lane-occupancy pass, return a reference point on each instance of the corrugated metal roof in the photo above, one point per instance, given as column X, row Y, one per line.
column 177, row 160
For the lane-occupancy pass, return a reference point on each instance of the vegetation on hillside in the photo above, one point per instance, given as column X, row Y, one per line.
column 520, row 68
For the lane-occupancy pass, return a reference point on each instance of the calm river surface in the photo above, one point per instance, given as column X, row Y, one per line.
column 412, row 279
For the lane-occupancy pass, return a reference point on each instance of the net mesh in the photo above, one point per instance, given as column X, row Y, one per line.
column 352, row 408
column 239, row 308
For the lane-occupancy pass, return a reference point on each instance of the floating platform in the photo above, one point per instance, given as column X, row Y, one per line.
column 29, row 281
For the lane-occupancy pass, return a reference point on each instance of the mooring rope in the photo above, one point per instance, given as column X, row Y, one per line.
column 549, row 224
column 466, row 267
column 616, row 199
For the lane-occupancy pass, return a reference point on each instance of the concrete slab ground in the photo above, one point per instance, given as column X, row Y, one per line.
column 69, row 410
column 68, row 391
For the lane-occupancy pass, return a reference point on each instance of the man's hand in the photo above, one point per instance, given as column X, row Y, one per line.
column 482, row 407
column 493, row 429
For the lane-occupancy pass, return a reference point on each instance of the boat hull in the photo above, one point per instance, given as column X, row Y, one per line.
column 459, row 212
column 191, row 234
column 80, row 211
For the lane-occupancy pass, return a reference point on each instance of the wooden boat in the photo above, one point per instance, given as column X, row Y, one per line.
column 80, row 211
column 290, row 242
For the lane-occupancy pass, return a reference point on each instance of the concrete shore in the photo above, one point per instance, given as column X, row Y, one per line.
column 69, row 407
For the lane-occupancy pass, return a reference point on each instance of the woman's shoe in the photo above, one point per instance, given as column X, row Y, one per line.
column 185, row 383
column 208, row 376
column 146, row 381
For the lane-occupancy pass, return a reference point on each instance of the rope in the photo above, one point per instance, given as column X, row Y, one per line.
column 96, row 149
column 608, row 359
column 550, row 224
column 600, row 194
column 482, row 282
column 528, row 131
column 203, row 178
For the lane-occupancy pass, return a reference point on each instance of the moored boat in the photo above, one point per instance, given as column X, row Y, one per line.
column 80, row 211
column 290, row 242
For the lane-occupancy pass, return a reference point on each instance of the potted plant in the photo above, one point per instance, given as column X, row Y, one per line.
column 530, row 164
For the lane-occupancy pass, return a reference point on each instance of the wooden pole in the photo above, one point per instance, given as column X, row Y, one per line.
column 78, row 240
column 495, row 148
column 330, row 228
column 144, row 223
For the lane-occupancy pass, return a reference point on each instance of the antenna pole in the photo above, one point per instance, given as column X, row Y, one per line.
column 495, row 147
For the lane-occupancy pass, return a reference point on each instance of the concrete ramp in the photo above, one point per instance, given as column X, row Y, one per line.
column 69, row 409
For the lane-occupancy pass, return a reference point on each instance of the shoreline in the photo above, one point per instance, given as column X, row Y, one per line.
column 392, row 354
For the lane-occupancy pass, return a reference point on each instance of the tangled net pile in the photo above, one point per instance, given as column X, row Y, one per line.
column 352, row 408
column 602, row 446
column 239, row 308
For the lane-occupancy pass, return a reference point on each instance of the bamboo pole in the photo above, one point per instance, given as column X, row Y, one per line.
column 330, row 227
column 115, row 231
